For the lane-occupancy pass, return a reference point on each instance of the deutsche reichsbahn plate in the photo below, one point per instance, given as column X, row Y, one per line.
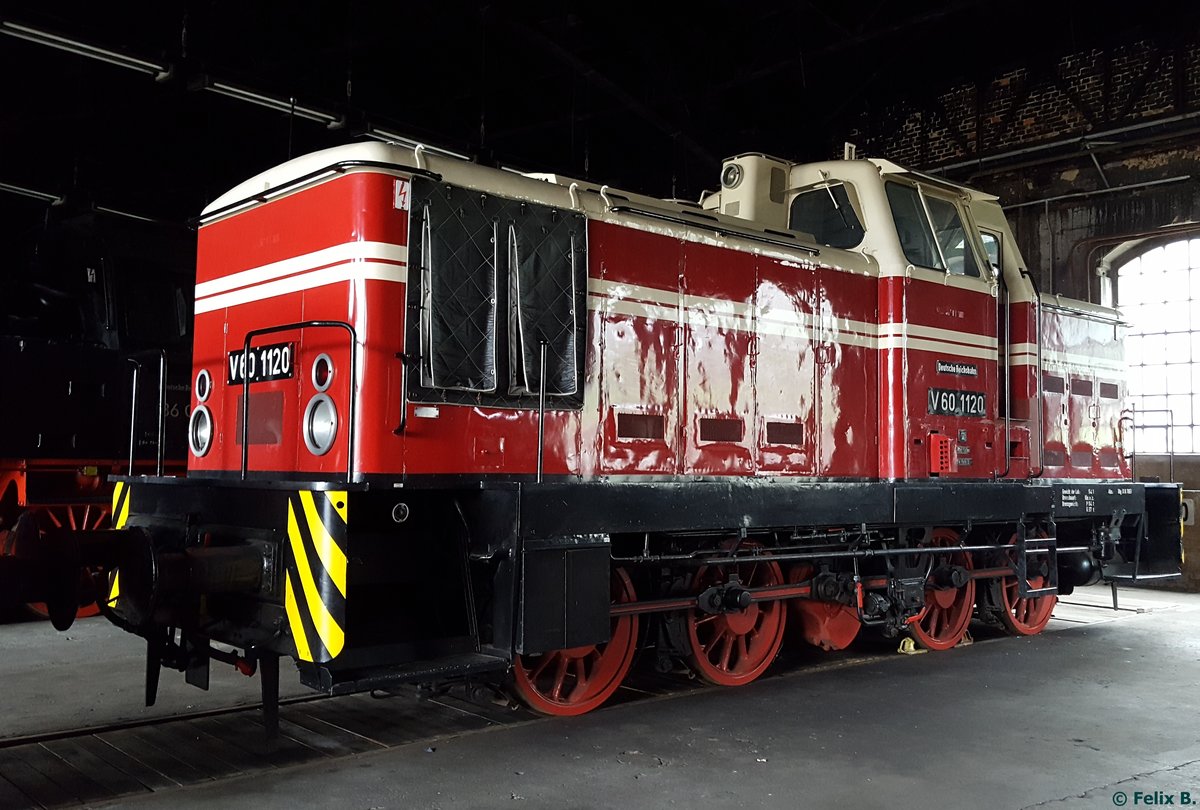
column 275, row 361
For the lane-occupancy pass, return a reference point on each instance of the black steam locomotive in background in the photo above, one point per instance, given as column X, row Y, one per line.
column 95, row 319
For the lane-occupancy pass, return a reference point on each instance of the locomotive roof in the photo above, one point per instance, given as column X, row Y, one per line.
column 879, row 252
column 680, row 218
column 305, row 166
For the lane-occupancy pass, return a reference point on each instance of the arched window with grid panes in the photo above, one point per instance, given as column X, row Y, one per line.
column 1158, row 293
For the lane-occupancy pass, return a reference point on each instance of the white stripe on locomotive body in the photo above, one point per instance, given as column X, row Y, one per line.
column 347, row 271
column 1026, row 354
column 352, row 261
column 623, row 298
column 337, row 254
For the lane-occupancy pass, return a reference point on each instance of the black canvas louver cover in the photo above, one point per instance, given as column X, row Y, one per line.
column 459, row 271
column 497, row 278
column 542, row 272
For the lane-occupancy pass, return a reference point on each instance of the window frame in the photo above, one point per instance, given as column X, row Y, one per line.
column 967, row 224
column 1156, row 359
column 827, row 185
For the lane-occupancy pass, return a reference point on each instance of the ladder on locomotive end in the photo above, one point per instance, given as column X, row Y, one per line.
column 1038, row 555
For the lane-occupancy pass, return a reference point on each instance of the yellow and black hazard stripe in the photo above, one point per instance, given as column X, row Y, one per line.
column 120, row 516
column 120, row 505
column 315, row 587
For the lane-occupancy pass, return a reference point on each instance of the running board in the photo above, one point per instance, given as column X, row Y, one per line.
column 344, row 682
column 1043, row 550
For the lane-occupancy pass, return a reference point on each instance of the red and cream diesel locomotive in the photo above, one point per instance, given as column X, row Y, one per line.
column 455, row 421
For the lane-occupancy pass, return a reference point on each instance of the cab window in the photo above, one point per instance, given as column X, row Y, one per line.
column 931, row 231
column 912, row 226
column 991, row 248
column 952, row 237
column 826, row 214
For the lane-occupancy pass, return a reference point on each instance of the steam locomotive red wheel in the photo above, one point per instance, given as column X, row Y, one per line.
column 947, row 614
column 734, row 648
column 1024, row 615
column 576, row 680
column 80, row 517
column 828, row 625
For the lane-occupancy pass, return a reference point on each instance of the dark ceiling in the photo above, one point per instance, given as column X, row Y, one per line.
column 646, row 96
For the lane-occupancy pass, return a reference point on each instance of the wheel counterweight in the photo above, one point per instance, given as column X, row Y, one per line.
column 828, row 625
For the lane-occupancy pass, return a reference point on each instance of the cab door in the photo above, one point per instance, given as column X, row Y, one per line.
column 948, row 335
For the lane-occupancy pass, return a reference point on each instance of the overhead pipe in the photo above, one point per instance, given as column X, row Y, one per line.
column 1028, row 150
column 162, row 71
column 1081, row 194
column 158, row 70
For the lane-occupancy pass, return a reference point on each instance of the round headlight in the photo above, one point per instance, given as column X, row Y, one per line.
column 203, row 385
column 200, row 431
column 322, row 372
column 732, row 175
column 320, row 424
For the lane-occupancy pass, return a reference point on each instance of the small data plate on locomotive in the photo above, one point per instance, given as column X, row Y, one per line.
column 957, row 403
column 275, row 361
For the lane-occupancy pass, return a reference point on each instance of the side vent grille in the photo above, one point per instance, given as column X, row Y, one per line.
column 640, row 426
column 720, row 430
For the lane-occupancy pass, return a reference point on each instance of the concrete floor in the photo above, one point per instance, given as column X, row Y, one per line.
column 92, row 676
column 1106, row 704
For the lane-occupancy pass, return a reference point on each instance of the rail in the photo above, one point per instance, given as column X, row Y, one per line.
column 353, row 405
column 1130, row 415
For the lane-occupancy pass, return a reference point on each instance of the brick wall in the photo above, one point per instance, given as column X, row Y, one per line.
column 1076, row 94
column 1020, row 134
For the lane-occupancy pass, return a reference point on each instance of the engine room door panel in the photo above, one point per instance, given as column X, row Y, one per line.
column 639, row 309
column 785, row 368
column 718, row 349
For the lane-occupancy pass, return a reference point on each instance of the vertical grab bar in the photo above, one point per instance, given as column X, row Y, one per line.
column 1037, row 337
column 541, row 449
column 162, row 411
column 288, row 327
column 161, row 440
column 137, row 367
column 1040, row 394
column 403, row 358
column 1007, row 380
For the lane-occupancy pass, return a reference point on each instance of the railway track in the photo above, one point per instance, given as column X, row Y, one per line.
column 96, row 764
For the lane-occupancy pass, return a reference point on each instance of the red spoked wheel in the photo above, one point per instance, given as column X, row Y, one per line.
column 576, row 680
column 943, row 622
column 1023, row 615
column 74, row 517
column 732, row 649
column 828, row 625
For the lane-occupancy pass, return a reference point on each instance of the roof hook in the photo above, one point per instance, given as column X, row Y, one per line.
column 574, row 190
column 604, row 196
column 418, row 155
